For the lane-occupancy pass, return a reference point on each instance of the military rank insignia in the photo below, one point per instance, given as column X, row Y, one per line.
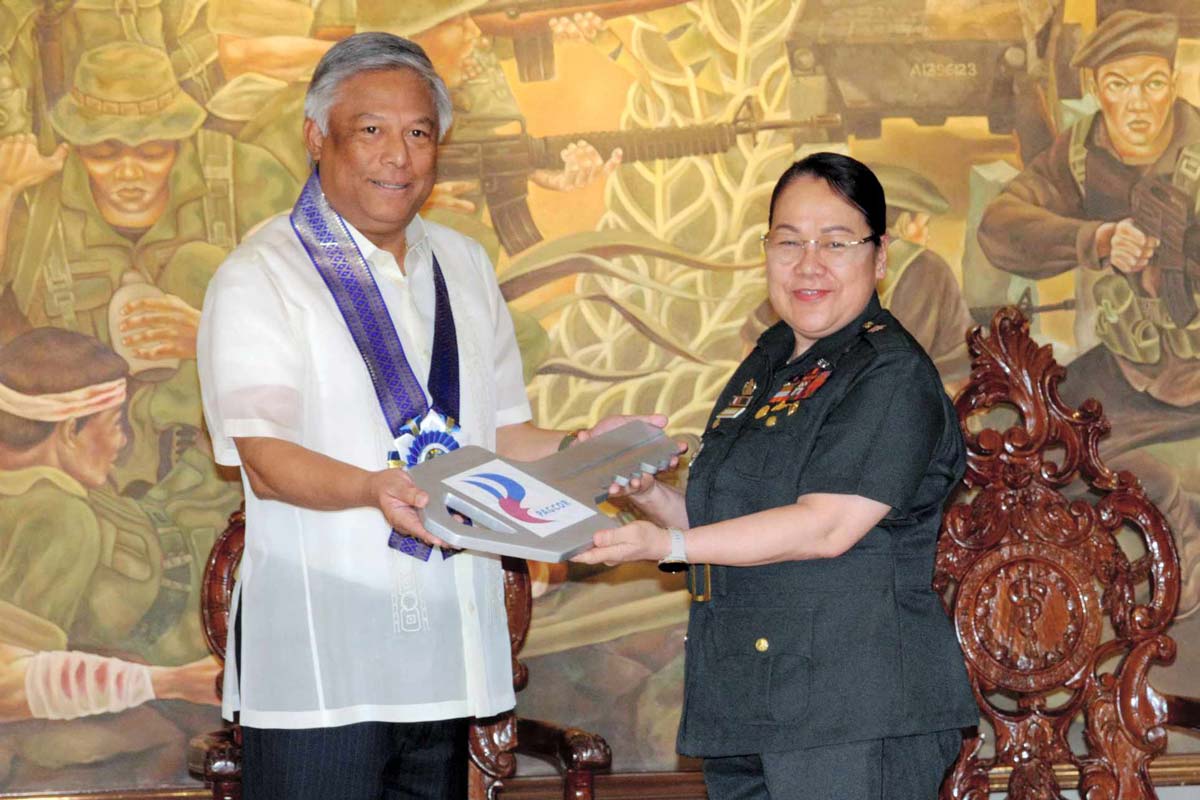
column 873, row 327
column 738, row 404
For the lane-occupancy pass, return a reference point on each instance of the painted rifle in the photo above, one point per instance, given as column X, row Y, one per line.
column 1164, row 211
column 502, row 163
column 527, row 23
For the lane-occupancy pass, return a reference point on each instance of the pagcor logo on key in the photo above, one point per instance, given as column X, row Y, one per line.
column 510, row 494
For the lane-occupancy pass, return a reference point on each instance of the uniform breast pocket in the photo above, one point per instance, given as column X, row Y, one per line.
column 91, row 283
column 764, row 663
column 758, row 451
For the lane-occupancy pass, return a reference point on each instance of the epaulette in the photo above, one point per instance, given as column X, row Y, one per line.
column 884, row 334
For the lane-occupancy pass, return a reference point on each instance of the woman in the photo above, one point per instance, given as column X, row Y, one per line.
column 820, row 663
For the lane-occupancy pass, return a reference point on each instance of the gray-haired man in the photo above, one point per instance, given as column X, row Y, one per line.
column 358, row 663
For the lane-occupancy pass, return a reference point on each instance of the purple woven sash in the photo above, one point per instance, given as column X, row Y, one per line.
column 340, row 263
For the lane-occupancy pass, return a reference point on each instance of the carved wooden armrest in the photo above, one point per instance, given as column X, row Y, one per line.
column 569, row 749
column 216, row 756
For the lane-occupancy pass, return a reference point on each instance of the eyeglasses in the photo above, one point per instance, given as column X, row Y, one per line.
column 785, row 249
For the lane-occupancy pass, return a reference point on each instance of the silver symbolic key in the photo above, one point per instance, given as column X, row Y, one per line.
column 544, row 510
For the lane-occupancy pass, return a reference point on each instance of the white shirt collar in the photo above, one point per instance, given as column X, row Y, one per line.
column 416, row 237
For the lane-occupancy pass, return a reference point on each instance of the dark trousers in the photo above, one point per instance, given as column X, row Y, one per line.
column 903, row 768
column 364, row 761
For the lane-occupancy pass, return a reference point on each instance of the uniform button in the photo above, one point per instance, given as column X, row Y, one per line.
column 470, row 607
column 761, row 644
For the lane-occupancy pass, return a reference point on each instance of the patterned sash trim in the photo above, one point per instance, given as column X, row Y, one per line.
column 340, row 263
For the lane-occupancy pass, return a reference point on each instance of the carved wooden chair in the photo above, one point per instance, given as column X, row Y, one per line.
column 1062, row 579
column 494, row 743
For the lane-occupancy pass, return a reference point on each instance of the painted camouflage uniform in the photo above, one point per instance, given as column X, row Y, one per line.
column 65, row 261
column 64, row 264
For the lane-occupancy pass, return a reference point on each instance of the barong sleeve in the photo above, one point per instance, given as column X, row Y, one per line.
column 249, row 358
column 512, row 403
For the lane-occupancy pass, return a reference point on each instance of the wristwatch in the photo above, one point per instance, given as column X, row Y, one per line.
column 676, row 558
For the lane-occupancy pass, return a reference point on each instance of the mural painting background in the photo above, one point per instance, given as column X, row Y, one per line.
column 634, row 278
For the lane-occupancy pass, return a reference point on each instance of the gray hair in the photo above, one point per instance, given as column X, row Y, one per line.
column 366, row 52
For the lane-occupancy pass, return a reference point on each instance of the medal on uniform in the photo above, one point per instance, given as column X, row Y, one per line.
column 781, row 397
column 423, row 428
column 739, row 403
column 813, row 379
column 795, row 390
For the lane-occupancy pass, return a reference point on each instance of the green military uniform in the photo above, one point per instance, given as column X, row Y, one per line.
column 63, row 266
column 240, row 186
column 1141, row 364
column 144, row 594
column 95, row 565
column 89, row 570
column 50, row 543
column 18, row 64
column 178, row 27
column 805, row 654
column 18, row 45
column 65, row 261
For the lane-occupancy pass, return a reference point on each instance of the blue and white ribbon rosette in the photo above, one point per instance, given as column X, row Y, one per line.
column 422, row 439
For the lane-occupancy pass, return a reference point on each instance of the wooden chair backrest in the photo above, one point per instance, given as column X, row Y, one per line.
column 1061, row 577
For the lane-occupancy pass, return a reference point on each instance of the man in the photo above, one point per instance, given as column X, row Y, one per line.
column 357, row 664
column 920, row 288
column 1071, row 209
column 253, row 45
column 145, row 194
column 70, row 580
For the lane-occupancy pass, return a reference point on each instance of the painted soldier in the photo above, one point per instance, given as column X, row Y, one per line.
column 81, row 570
column 1076, row 208
column 120, row 245
column 146, row 199
column 920, row 288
